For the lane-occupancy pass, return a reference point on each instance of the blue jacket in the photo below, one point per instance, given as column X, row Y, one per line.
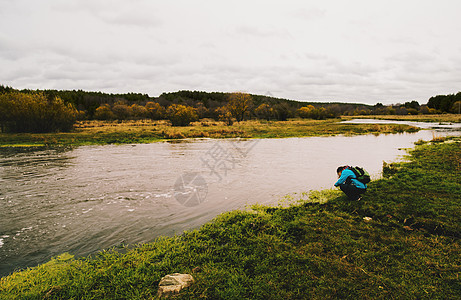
column 347, row 173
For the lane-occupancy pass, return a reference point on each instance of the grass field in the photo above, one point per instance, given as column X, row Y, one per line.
column 147, row 131
column 401, row 241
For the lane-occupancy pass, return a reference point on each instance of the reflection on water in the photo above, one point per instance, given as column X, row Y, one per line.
column 96, row 197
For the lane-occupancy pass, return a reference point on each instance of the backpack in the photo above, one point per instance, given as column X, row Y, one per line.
column 361, row 174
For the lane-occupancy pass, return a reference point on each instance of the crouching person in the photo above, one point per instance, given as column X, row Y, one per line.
column 349, row 184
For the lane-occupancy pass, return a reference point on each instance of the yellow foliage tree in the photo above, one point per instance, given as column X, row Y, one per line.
column 155, row 111
column 181, row 115
column 224, row 115
column 305, row 111
column 264, row 111
column 121, row 110
column 138, row 111
column 34, row 112
column 103, row 112
column 239, row 104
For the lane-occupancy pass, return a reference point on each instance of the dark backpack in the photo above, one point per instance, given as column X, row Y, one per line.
column 361, row 174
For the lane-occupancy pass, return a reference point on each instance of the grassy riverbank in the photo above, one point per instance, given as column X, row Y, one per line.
column 442, row 118
column 409, row 249
column 146, row 131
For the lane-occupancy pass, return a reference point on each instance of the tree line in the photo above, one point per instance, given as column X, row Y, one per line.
column 54, row 110
column 446, row 103
column 25, row 112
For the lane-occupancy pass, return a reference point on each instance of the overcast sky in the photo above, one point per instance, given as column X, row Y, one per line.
column 327, row 50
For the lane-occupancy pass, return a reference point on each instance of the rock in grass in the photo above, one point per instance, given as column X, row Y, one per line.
column 172, row 284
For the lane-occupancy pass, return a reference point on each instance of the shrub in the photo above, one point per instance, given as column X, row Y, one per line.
column 319, row 113
column 412, row 111
column 81, row 115
column 264, row 111
column 104, row 112
column 181, row 115
column 305, row 111
column 121, row 111
column 155, row 111
column 138, row 111
column 34, row 112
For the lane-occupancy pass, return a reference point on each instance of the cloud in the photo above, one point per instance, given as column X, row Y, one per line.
column 308, row 13
column 133, row 18
column 142, row 16
column 11, row 49
column 330, row 50
column 259, row 32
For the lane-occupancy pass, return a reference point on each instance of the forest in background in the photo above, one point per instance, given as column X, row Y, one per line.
column 57, row 110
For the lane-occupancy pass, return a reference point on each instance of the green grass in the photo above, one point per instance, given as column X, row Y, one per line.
column 409, row 250
column 145, row 131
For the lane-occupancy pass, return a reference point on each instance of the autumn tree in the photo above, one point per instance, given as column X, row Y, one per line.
column 104, row 112
column 155, row 111
column 121, row 110
column 34, row 112
column 264, row 111
column 305, row 111
column 138, row 112
column 282, row 111
column 181, row 115
column 456, row 108
column 239, row 104
column 81, row 115
column 202, row 111
column 224, row 115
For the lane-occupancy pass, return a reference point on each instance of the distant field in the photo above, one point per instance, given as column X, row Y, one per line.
column 147, row 131
column 452, row 118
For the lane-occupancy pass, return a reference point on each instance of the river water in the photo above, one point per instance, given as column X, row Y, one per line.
column 96, row 197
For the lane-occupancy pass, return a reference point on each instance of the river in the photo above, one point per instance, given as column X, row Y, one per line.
column 96, row 197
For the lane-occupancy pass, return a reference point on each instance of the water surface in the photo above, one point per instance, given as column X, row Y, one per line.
column 95, row 197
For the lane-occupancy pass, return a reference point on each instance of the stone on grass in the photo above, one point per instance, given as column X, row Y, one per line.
column 172, row 284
